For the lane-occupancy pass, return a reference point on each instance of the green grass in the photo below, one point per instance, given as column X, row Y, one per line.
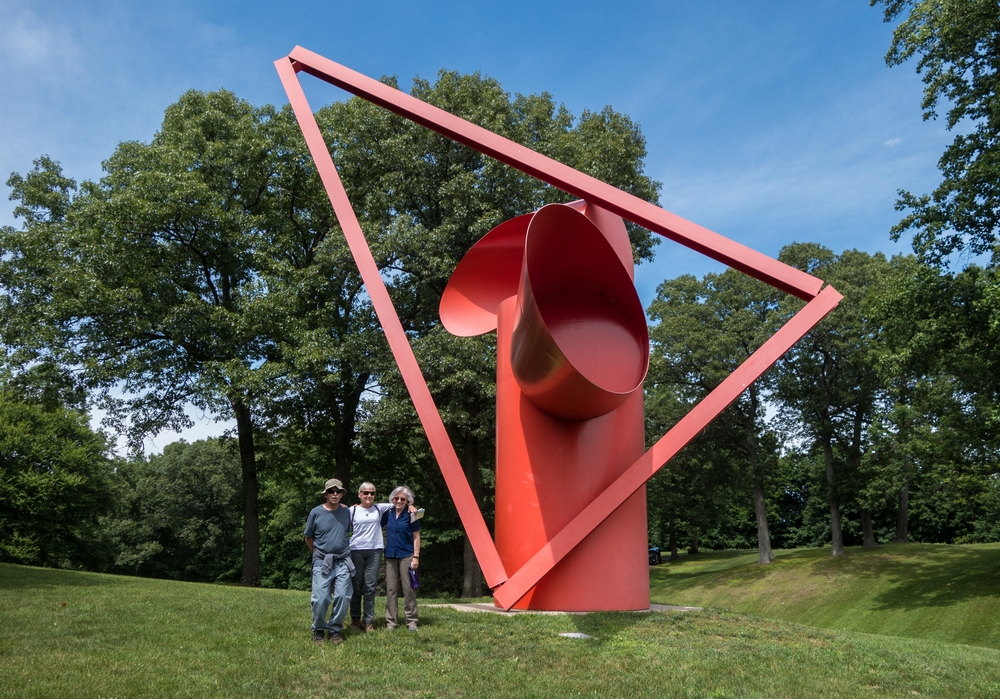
column 928, row 591
column 132, row 637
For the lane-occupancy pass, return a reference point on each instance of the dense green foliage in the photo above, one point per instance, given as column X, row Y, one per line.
column 54, row 473
column 957, row 43
column 176, row 515
column 129, row 637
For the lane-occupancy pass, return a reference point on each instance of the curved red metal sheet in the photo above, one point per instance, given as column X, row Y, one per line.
column 613, row 228
column 580, row 344
column 488, row 274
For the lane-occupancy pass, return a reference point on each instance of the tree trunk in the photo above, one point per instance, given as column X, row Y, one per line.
column 673, row 537
column 764, row 554
column 345, row 420
column 866, row 528
column 251, row 522
column 836, row 533
column 472, row 574
column 902, row 516
column 695, row 541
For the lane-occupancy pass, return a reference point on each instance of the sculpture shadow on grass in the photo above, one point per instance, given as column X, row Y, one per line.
column 950, row 576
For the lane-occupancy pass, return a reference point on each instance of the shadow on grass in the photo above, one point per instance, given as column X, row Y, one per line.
column 16, row 577
column 918, row 575
column 955, row 574
column 709, row 569
column 604, row 626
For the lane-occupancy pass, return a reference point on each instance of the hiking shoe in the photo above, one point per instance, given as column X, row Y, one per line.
column 369, row 628
column 318, row 637
column 411, row 627
column 356, row 624
column 335, row 637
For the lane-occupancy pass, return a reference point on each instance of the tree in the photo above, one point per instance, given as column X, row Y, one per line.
column 704, row 330
column 827, row 383
column 958, row 44
column 147, row 282
column 54, row 473
column 937, row 358
column 943, row 337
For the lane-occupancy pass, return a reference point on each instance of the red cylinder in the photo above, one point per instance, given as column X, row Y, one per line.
column 580, row 345
column 548, row 469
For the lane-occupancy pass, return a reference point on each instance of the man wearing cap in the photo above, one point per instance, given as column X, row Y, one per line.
column 332, row 568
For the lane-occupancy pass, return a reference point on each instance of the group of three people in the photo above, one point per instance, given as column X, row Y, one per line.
column 346, row 544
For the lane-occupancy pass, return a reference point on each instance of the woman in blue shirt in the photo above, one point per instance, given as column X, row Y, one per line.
column 402, row 553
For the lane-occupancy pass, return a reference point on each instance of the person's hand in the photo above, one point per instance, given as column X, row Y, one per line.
column 414, row 563
column 413, row 510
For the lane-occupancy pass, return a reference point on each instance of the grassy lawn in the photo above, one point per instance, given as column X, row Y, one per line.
column 67, row 634
column 934, row 592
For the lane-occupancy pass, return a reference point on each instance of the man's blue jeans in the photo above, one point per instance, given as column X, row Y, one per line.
column 335, row 585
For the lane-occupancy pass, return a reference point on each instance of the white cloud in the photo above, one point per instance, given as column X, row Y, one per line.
column 26, row 40
column 893, row 142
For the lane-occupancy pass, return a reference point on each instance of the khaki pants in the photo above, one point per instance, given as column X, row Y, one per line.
column 397, row 577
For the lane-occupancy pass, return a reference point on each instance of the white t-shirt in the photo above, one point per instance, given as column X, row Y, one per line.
column 367, row 526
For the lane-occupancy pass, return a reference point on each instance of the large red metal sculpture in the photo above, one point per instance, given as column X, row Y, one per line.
column 573, row 350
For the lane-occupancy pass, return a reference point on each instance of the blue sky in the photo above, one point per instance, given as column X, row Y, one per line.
column 768, row 122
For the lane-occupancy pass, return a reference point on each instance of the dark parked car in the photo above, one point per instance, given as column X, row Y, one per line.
column 654, row 555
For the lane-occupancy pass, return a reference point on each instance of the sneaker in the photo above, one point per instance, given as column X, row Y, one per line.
column 335, row 637
column 411, row 627
column 318, row 637
column 356, row 624
column 369, row 628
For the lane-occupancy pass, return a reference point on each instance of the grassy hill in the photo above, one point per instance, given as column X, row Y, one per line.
column 934, row 592
column 68, row 634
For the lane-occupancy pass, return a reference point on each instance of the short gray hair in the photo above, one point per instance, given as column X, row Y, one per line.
column 365, row 486
column 405, row 491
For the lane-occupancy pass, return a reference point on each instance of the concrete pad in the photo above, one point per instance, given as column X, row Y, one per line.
column 491, row 609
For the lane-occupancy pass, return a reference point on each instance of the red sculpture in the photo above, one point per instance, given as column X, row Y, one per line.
column 572, row 350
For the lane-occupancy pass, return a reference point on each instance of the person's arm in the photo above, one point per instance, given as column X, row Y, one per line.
column 415, row 561
column 309, row 544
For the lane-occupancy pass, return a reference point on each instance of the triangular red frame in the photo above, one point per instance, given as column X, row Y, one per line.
column 508, row 589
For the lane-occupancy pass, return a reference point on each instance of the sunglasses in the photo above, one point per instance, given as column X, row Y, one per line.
column 334, row 491
column 367, row 492
column 401, row 498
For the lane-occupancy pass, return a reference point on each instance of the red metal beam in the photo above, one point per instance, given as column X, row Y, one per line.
column 628, row 206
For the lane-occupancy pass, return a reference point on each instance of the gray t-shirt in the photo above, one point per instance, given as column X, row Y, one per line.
column 328, row 529
column 367, row 525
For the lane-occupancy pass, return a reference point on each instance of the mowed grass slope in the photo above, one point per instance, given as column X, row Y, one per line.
column 67, row 634
column 929, row 591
